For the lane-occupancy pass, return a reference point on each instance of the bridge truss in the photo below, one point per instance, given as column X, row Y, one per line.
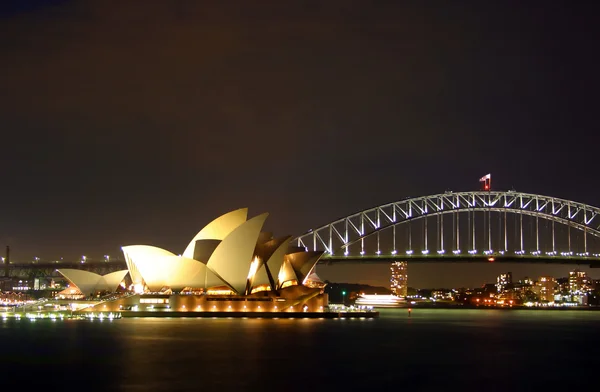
column 464, row 225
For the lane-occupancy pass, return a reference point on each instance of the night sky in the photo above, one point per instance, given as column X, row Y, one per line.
column 124, row 123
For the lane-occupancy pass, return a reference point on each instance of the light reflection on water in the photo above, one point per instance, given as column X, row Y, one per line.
column 434, row 349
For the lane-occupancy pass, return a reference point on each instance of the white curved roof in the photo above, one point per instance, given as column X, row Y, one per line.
column 136, row 277
column 272, row 252
column 231, row 259
column 260, row 277
column 84, row 280
column 89, row 282
column 110, row 282
column 135, row 253
column 286, row 274
column 186, row 272
column 230, row 243
column 218, row 229
column 303, row 262
column 275, row 260
column 159, row 268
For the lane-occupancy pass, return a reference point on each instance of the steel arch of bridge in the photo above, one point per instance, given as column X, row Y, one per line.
column 372, row 221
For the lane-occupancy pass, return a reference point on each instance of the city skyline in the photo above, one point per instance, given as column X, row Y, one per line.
column 115, row 128
column 446, row 275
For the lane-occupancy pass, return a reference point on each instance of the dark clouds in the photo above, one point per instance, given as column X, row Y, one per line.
column 126, row 123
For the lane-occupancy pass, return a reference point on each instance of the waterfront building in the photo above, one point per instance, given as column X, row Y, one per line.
column 85, row 283
column 545, row 288
column 579, row 282
column 563, row 286
column 503, row 281
column 579, row 285
column 399, row 279
column 229, row 266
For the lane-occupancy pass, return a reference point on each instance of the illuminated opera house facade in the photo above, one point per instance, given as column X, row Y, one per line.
column 231, row 265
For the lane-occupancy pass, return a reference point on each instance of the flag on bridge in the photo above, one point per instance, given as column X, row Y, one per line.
column 487, row 182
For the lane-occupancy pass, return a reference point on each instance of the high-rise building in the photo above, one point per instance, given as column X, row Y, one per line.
column 503, row 280
column 545, row 288
column 579, row 282
column 399, row 280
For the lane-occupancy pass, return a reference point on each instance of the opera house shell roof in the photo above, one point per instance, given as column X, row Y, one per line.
column 230, row 253
column 89, row 282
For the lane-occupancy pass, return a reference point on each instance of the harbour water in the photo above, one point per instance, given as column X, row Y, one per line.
column 433, row 350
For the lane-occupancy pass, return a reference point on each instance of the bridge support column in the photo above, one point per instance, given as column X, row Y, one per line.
column 457, row 214
column 426, row 234
column 505, row 237
column 521, row 229
column 442, row 233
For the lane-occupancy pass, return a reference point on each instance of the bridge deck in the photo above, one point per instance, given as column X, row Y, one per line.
column 435, row 258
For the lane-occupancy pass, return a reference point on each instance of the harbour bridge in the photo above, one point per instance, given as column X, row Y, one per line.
column 452, row 226
column 484, row 226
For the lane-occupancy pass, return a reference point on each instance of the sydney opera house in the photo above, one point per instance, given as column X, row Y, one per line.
column 231, row 265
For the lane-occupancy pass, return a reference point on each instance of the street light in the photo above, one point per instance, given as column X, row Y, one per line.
column 83, row 259
column 106, row 258
column 343, row 295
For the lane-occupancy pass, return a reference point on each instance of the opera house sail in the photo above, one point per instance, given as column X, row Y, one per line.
column 230, row 265
column 89, row 283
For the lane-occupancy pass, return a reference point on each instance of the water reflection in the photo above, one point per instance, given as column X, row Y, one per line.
column 431, row 350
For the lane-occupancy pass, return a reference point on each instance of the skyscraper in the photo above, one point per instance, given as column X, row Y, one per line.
column 545, row 288
column 579, row 282
column 503, row 280
column 399, row 280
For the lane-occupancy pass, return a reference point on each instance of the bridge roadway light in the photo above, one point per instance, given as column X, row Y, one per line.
column 409, row 252
column 394, row 252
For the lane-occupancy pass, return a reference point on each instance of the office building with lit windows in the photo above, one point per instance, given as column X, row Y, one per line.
column 579, row 286
column 579, row 282
column 399, row 279
column 545, row 288
column 503, row 281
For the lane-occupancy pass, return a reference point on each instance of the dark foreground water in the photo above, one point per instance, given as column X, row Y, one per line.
column 434, row 350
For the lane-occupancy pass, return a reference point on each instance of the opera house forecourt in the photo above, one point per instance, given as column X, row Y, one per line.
column 230, row 268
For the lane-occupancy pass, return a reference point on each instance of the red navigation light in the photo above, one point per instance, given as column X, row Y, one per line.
column 486, row 187
column 491, row 259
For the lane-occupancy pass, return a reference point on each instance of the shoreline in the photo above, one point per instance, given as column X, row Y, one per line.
column 242, row 315
column 517, row 307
